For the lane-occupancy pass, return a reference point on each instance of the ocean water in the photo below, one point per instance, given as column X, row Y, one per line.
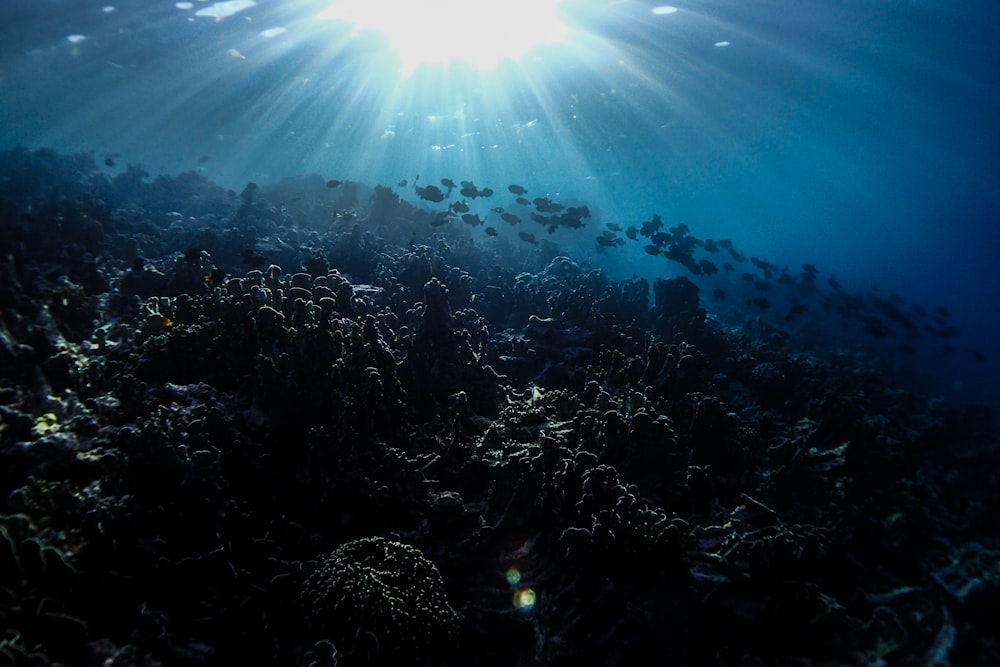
column 856, row 136
column 561, row 332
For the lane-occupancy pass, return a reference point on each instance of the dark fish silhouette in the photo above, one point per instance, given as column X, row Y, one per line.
column 333, row 183
column 522, row 201
column 517, row 190
column 472, row 219
column 459, row 207
column 430, row 193
column 510, row 218
column 528, row 238
column 491, row 231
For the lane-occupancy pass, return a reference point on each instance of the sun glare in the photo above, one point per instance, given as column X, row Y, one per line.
column 480, row 33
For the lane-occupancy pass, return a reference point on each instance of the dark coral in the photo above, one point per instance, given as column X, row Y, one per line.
column 380, row 601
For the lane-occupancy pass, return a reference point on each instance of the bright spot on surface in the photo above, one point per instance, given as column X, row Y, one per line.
column 524, row 599
column 107, row 9
column 75, row 39
column 721, row 44
column 183, row 5
column 233, row 53
column 437, row 32
column 664, row 9
column 513, row 576
column 272, row 32
column 221, row 10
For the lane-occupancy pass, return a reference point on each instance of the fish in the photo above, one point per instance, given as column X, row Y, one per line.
column 528, row 238
column 523, row 201
column 491, row 231
column 650, row 227
column 497, row 209
column 719, row 294
column 607, row 239
column 631, row 232
column 472, row 219
column 459, row 207
column 469, row 190
column 614, row 227
column 707, row 267
column 402, row 183
column 546, row 205
column 517, row 190
column 653, row 250
column 430, row 193
column 448, row 183
column 510, row 218
column 333, row 183
column 441, row 218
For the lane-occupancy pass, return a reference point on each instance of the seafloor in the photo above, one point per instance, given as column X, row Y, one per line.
column 311, row 425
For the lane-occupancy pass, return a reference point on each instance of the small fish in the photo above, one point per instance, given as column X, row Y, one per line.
column 469, row 190
column 402, row 183
column 430, row 193
column 517, row 190
column 472, row 219
column 440, row 219
column 707, row 267
column 614, row 227
column 491, row 231
column 333, row 183
column 653, row 250
column 631, row 232
column 528, row 238
column 233, row 53
column 497, row 209
column 459, row 207
column 486, row 192
column 510, row 218
column 523, row 201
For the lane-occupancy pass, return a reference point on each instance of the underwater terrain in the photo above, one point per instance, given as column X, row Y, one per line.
column 312, row 423
column 569, row 332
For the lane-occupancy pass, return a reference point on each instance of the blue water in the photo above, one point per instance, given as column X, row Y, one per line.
column 857, row 136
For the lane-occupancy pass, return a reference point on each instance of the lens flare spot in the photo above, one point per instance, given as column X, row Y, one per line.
column 524, row 599
column 513, row 576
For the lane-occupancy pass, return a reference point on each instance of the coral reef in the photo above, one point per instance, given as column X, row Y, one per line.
column 311, row 426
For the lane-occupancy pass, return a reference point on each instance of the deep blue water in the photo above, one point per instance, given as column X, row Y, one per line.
column 857, row 136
